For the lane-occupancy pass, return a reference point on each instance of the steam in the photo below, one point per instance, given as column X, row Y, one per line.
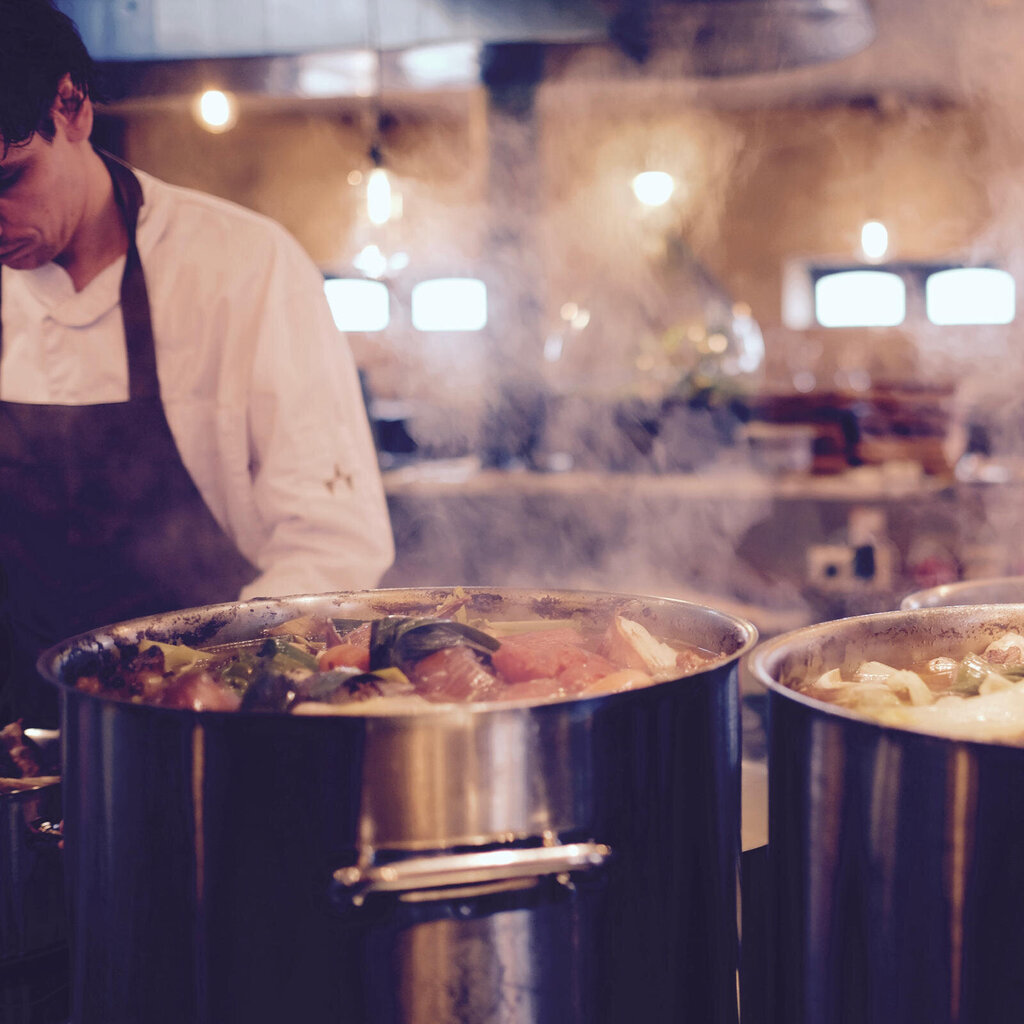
column 586, row 288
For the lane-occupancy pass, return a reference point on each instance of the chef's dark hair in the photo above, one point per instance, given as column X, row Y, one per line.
column 39, row 45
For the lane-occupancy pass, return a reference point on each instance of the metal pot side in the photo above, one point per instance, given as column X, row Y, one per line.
column 995, row 590
column 202, row 846
column 896, row 858
column 32, row 915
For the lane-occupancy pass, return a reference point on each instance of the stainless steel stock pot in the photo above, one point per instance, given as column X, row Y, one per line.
column 896, row 858
column 564, row 862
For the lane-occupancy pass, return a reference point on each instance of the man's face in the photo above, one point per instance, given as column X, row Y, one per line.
column 41, row 201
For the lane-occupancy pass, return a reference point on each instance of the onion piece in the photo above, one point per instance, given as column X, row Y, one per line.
column 631, row 644
column 899, row 680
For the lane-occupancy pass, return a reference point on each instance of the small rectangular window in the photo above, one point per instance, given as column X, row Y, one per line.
column 893, row 293
column 970, row 295
column 860, row 298
column 450, row 304
column 357, row 304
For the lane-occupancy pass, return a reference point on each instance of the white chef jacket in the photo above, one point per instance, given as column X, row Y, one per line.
column 259, row 387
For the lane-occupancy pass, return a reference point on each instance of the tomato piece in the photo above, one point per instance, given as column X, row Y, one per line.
column 344, row 655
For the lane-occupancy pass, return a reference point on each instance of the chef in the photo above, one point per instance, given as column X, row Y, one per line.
column 180, row 421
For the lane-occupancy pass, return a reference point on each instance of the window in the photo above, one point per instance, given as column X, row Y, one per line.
column 860, row 298
column 970, row 295
column 891, row 294
column 450, row 304
column 358, row 305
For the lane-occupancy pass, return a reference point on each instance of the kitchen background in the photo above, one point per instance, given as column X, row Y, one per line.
column 649, row 400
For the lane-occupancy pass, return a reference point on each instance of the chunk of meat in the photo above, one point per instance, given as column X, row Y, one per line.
column 556, row 654
column 453, row 674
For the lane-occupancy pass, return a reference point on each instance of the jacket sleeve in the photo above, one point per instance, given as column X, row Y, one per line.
column 315, row 479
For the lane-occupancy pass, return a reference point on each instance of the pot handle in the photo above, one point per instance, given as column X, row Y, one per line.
column 461, row 869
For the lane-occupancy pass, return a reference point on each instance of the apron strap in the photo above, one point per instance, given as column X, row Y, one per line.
column 135, row 312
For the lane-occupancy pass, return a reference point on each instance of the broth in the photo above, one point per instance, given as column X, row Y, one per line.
column 977, row 696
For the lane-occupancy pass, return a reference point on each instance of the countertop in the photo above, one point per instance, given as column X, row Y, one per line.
column 757, row 545
column 728, row 479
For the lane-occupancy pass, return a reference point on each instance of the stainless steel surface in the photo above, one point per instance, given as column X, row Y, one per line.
column 711, row 38
column 147, row 29
column 896, row 859
column 497, row 980
column 470, row 869
column 245, row 818
column 996, row 590
column 32, row 915
column 476, row 791
column 152, row 47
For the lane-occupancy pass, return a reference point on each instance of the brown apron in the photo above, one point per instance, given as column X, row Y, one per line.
column 99, row 518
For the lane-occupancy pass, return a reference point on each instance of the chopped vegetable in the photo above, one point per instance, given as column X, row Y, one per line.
column 176, row 656
column 632, row 644
column 327, row 663
column 976, row 696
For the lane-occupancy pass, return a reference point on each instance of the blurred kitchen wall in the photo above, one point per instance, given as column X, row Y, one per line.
column 603, row 304
column 757, row 189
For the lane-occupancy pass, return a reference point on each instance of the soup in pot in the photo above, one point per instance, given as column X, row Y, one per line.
column 392, row 664
column 977, row 696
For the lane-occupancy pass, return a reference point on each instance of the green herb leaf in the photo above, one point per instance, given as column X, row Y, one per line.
column 399, row 641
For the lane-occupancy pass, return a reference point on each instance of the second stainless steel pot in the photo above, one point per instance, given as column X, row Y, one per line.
column 564, row 862
column 896, row 859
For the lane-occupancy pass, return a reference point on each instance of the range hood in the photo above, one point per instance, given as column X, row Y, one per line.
column 711, row 38
column 147, row 46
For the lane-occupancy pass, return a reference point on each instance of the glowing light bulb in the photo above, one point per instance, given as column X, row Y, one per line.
column 217, row 111
column 580, row 320
column 378, row 196
column 371, row 261
column 654, row 188
column 874, row 240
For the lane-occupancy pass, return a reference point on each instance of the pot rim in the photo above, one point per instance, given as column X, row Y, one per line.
column 51, row 661
column 941, row 595
column 762, row 663
column 30, row 792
